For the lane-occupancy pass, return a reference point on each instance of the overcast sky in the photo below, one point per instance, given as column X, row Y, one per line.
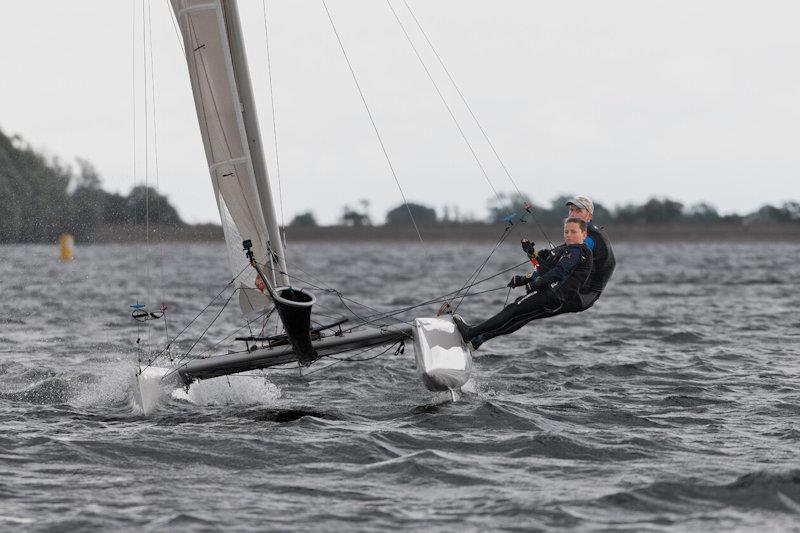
column 619, row 100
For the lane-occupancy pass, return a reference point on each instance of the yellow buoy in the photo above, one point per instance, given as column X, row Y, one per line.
column 65, row 242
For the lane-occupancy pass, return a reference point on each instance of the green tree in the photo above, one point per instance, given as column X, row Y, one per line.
column 115, row 210
column 41, row 198
column 702, row 212
column 421, row 214
column 654, row 211
column 304, row 219
column 88, row 200
column 146, row 204
column 352, row 217
column 507, row 204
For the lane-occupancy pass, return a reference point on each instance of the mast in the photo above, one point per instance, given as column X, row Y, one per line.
column 242, row 72
column 227, row 118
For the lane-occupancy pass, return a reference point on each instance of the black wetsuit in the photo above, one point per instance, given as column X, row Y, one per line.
column 561, row 275
column 602, row 266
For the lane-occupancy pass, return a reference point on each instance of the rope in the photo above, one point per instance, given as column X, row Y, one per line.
column 327, row 288
column 146, row 154
column 461, row 95
column 480, row 268
column 374, row 127
column 441, row 298
column 193, row 320
column 186, row 355
column 265, row 315
column 272, row 105
column 173, row 17
column 444, row 101
column 467, row 106
column 476, row 273
column 155, row 148
column 353, row 360
column 132, row 214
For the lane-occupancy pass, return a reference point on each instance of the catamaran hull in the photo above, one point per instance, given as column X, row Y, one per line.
column 153, row 383
column 443, row 360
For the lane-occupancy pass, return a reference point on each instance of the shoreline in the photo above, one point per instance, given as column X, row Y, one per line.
column 720, row 232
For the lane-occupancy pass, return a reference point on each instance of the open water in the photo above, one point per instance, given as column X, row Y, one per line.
column 673, row 404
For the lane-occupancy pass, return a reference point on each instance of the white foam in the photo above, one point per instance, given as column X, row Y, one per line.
column 237, row 389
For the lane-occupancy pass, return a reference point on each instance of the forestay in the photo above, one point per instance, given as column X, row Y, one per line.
column 229, row 128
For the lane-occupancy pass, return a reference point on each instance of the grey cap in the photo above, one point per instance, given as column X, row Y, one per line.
column 583, row 202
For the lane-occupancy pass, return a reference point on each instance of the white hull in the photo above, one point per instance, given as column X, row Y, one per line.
column 442, row 358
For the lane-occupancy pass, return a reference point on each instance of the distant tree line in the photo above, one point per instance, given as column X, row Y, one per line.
column 40, row 199
column 654, row 211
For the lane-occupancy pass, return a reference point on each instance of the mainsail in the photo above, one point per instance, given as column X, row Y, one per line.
column 228, row 125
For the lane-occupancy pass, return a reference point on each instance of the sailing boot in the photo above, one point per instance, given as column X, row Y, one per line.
column 463, row 328
column 476, row 342
column 468, row 333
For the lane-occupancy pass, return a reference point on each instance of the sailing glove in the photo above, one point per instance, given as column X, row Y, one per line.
column 544, row 254
column 528, row 248
column 517, row 281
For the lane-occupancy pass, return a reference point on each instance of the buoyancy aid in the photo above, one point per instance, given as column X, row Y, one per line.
column 568, row 283
column 603, row 260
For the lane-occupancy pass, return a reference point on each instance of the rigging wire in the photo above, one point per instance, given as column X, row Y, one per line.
column 193, row 320
column 146, row 152
column 461, row 95
column 480, row 268
column 132, row 213
column 441, row 298
column 445, row 297
column 274, row 117
column 353, row 359
column 173, row 16
column 444, row 102
column 155, row 151
column 374, row 127
column 342, row 298
column 265, row 315
column 471, row 113
column 198, row 339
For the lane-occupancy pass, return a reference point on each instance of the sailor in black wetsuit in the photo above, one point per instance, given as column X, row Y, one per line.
column 603, row 256
column 554, row 289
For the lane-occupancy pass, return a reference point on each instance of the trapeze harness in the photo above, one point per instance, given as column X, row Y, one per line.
column 562, row 273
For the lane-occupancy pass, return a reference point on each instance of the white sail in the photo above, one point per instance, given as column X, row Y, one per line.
column 229, row 128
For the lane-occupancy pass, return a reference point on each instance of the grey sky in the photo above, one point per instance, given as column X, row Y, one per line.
column 620, row 100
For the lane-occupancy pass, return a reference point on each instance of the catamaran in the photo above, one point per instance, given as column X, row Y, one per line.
column 226, row 112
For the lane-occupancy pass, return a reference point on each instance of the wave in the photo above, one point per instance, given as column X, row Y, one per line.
column 49, row 391
column 766, row 490
column 684, row 337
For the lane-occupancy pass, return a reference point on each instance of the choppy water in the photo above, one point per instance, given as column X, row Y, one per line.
column 673, row 404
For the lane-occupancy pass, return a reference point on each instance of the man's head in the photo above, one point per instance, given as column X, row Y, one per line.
column 581, row 207
column 574, row 230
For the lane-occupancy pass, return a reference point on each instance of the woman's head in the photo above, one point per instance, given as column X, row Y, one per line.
column 574, row 230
